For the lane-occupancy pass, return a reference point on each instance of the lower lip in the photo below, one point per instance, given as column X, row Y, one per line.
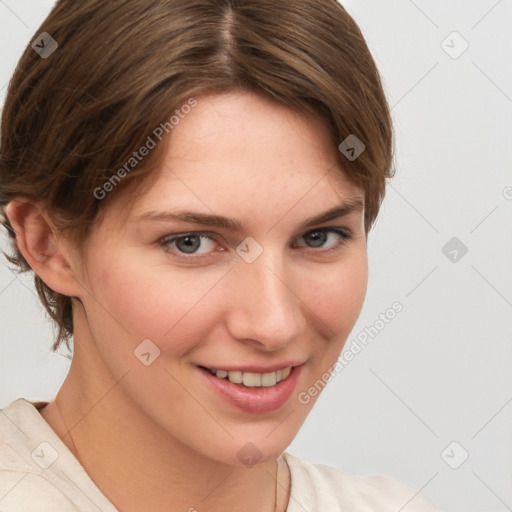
column 258, row 399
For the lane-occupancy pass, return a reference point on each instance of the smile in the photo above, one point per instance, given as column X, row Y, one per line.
column 254, row 389
column 251, row 379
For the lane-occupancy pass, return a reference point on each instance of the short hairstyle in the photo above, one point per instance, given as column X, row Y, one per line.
column 72, row 120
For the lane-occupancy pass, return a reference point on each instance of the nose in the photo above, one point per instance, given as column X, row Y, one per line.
column 264, row 311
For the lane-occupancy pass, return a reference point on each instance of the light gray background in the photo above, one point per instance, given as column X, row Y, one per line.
column 441, row 370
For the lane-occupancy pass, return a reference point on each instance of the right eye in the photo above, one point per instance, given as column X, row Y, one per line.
column 188, row 243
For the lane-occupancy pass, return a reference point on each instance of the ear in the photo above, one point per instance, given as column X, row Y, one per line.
column 44, row 248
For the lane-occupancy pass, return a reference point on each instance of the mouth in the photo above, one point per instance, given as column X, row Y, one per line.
column 251, row 379
column 254, row 389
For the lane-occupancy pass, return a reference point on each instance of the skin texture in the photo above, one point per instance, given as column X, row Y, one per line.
column 144, row 432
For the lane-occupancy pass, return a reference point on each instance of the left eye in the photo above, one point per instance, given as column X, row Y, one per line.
column 318, row 237
column 190, row 243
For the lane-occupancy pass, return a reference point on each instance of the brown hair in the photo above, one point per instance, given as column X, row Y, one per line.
column 121, row 68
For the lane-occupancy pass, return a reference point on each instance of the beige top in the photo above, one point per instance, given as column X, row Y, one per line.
column 36, row 468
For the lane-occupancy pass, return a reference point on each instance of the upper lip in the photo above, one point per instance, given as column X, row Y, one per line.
column 253, row 368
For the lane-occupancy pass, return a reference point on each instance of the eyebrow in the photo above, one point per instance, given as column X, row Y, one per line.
column 231, row 224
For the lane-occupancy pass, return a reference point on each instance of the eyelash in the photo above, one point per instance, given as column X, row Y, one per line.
column 343, row 234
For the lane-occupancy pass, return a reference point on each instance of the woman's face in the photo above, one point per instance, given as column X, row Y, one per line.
column 167, row 298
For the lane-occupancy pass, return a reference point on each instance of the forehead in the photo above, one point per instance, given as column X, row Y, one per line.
column 240, row 136
column 235, row 127
column 239, row 152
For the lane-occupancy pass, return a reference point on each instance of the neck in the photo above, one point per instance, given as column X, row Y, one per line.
column 138, row 465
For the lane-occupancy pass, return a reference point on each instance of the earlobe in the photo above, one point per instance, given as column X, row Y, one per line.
column 42, row 246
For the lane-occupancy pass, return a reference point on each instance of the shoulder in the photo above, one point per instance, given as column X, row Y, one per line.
column 22, row 491
column 23, row 483
column 321, row 487
column 37, row 471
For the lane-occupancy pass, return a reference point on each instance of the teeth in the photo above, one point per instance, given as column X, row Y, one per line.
column 253, row 380
column 269, row 379
column 236, row 377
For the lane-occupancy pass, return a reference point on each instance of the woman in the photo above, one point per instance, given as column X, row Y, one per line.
column 192, row 183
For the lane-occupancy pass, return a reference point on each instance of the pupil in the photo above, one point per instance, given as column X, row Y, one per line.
column 318, row 238
column 191, row 244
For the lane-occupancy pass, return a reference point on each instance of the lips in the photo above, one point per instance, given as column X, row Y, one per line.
column 254, row 397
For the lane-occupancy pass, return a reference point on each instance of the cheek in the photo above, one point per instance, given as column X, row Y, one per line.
column 150, row 301
column 336, row 294
column 336, row 302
